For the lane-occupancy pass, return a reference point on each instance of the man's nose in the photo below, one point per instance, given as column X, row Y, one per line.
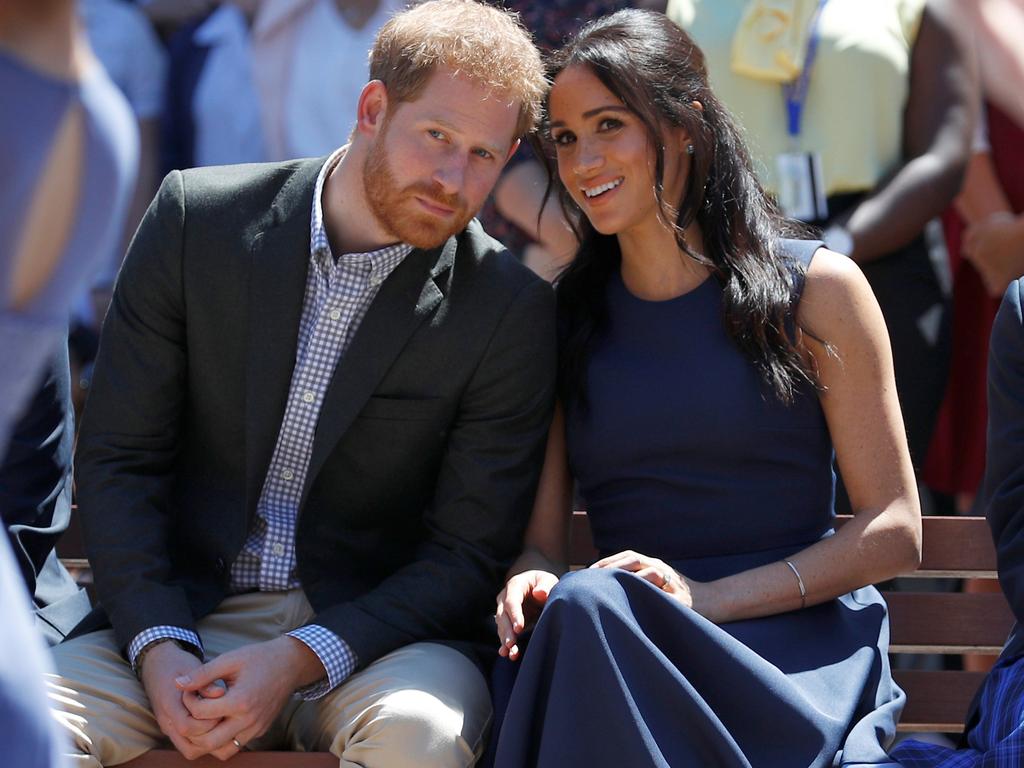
column 451, row 175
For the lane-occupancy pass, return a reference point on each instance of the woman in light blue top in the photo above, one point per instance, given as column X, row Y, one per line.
column 68, row 151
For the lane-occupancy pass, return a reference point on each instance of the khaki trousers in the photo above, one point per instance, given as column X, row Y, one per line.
column 422, row 705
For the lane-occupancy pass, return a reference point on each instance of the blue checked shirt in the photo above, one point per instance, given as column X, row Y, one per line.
column 338, row 294
column 995, row 741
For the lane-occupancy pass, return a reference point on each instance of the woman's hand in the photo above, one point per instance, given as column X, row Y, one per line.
column 662, row 575
column 519, row 605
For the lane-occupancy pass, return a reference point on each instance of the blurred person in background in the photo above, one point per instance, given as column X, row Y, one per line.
column 125, row 43
column 69, row 150
column 265, row 80
column 858, row 116
column 511, row 212
column 309, row 62
column 213, row 113
column 123, row 39
column 984, row 231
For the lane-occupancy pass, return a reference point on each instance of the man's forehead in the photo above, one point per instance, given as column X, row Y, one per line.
column 467, row 107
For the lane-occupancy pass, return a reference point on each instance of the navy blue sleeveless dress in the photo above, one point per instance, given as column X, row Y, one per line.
column 683, row 455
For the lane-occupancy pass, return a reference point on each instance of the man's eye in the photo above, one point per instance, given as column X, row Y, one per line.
column 483, row 153
column 435, row 134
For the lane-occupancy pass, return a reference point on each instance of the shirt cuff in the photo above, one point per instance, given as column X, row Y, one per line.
column 162, row 632
column 338, row 659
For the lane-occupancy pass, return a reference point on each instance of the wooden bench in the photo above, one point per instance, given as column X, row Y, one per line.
column 921, row 622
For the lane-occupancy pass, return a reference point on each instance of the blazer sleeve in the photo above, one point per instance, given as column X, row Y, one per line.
column 484, row 493
column 130, row 430
column 1004, row 473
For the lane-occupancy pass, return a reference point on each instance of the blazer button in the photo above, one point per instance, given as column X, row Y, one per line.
column 219, row 565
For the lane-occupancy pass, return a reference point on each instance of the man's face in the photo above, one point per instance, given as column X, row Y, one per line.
column 435, row 160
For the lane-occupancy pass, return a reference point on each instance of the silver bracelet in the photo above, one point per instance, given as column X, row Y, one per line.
column 800, row 583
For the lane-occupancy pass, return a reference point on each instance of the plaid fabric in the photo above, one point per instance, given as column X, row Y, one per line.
column 997, row 741
column 333, row 652
column 338, row 294
column 152, row 634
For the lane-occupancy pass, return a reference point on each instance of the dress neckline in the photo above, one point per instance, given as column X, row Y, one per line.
column 682, row 297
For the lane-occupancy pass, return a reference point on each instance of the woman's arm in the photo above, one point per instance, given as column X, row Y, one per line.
column 994, row 240
column 981, row 195
column 937, row 130
column 863, row 414
column 545, row 554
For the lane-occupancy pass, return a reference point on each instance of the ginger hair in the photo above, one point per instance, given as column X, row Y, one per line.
column 486, row 44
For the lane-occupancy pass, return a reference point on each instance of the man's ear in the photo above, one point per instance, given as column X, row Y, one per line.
column 372, row 108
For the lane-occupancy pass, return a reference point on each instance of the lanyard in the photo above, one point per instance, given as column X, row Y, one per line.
column 795, row 93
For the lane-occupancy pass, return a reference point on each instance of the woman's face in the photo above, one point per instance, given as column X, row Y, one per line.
column 605, row 156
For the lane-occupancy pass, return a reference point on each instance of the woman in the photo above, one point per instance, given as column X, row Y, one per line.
column 875, row 95
column 707, row 369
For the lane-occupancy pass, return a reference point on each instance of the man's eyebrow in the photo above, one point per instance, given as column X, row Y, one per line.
column 455, row 129
column 591, row 112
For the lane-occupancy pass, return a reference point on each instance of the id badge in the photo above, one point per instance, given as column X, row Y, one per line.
column 802, row 186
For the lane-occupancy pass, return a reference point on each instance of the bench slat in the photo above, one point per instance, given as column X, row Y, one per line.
column 937, row 701
column 921, row 620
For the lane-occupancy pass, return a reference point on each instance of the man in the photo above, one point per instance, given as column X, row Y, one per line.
column 315, row 429
column 995, row 725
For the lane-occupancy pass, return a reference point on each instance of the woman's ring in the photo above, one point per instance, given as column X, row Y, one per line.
column 666, row 579
column 236, row 743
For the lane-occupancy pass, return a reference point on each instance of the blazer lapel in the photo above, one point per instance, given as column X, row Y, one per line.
column 405, row 300
column 277, row 285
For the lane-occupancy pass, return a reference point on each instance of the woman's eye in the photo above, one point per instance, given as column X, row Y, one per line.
column 609, row 124
column 562, row 138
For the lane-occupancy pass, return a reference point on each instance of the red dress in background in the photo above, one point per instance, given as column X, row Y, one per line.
column 956, row 458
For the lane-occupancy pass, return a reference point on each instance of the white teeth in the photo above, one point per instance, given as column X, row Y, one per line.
column 595, row 191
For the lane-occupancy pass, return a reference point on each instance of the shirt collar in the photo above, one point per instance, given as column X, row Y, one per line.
column 382, row 261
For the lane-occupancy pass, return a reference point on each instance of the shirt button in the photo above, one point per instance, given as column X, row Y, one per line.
column 335, row 314
column 308, row 397
column 287, row 474
column 277, row 549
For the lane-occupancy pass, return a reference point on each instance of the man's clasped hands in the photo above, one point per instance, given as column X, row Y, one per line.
column 218, row 707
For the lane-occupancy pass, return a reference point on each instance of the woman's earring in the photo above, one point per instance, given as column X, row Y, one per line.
column 689, row 149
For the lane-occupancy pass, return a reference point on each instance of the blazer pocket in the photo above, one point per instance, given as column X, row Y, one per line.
column 402, row 408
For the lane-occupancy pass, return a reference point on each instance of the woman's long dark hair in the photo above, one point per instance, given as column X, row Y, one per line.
column 657, row 71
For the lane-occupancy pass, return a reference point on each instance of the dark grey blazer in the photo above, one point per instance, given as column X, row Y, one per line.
column 429, row 443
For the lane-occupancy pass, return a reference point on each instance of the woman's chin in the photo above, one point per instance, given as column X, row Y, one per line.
column 605, row 227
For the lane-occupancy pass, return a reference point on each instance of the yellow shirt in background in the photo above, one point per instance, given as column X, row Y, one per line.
column 853, row 116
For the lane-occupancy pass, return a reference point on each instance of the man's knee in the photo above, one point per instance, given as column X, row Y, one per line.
column 98, row 702
column 424, row 705
column 412, row 727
